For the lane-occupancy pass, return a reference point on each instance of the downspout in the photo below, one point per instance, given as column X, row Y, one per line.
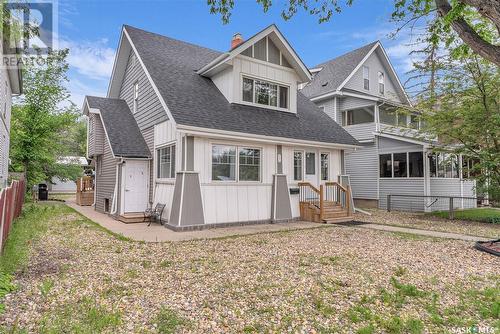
column 95, row 183
column 114, row 204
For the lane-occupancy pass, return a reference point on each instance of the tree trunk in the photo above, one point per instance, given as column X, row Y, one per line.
column 469, row 35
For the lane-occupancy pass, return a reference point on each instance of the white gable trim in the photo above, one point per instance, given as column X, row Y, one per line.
column 302, row 69
column 391, row 68
column 358, row 66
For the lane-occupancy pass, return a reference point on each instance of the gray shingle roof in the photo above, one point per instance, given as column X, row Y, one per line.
column 194, row 100
column 123, row 132
column 335, row 71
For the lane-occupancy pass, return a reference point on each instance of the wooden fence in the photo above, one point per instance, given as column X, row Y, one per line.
column 11, row 204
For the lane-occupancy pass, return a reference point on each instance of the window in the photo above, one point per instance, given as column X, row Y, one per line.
column 324, row 166
column 247, row 90
column 399, row 164
column 310, row 163
column 357, row 116
column 402, row 119
column 381, row 86
column 414, row 122
column 165, row 162
column 266, row 93
column 387, row 115
column 444, row 165
column 385, row 165
column 136, row 96
column 416, row 164
column 297, row 166
column 366, row 77
column 223, row 163
column 273, row 53
column 249, row 164
column 402, row 164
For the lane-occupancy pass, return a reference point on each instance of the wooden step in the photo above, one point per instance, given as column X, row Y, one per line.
column 339, row 220
column 335, row 214
column 132, row 217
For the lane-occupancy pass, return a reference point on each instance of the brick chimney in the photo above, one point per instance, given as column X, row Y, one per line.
column 237, row 40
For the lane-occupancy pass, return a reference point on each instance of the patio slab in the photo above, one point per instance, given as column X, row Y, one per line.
column 158, row 233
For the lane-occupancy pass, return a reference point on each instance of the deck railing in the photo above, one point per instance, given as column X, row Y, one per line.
column 331, row 192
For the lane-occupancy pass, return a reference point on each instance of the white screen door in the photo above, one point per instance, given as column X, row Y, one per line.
column 136, row 179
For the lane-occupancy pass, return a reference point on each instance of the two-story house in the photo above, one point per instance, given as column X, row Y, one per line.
column 219, row 137
column 361, row 91
column 10, row 84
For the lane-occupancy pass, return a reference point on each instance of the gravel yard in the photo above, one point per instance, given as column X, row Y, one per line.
column 332, row 279
column 428, row 222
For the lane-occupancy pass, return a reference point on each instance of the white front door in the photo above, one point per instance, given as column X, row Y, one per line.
column 311, row 164
column 135, row 186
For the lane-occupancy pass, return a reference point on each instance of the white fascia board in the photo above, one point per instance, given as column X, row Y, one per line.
column 404, row 139
column 213, row 64
column 206, row 132
column 164, row 105
column 341, row 93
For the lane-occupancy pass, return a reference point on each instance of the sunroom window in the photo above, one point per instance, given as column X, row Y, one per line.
column 357, row 116
column 265, row 93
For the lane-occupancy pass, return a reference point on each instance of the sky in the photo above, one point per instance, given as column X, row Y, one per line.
column 91, row 30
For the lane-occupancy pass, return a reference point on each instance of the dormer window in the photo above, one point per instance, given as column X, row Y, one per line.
column 265, row 93
column 366, row 77
column 381, row 85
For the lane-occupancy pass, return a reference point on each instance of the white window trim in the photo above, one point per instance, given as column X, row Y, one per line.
column 381, row 82
column 159, row 147
column 237, row 163
column 367, row 78
column 254, row 104
column 135, row 96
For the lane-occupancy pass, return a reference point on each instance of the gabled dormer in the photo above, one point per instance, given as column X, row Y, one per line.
column 263, row 71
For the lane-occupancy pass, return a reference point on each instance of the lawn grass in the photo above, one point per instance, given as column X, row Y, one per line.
column 486, row 215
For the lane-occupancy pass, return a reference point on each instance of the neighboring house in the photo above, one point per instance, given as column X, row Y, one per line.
column 219, row 137
column 67, row 186
column 361, row 91
column 10, row 84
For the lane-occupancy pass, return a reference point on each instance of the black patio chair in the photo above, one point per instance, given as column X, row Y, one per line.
column 154, row 214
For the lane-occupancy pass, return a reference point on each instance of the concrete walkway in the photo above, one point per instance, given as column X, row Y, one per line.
column 426, row 233
column 158, row 233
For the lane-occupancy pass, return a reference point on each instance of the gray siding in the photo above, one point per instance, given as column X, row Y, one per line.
column 149, row 136
column 362, row 166
column 329, row 109
column 362, row 131
column 386, row 145
column 349, row 102
column 105, row 178
column 375, row 65
column 402, row 186
column 96, row 135
column 150, row 111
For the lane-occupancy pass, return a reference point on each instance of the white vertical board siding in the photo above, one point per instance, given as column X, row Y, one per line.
column 362, row 166
column 164, row 133
column 224, row 82
column 375, row 65
column 267, row 71
column 163, row 193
